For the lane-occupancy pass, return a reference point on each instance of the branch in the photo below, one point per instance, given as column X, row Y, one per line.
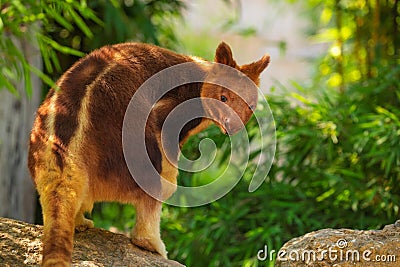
column 21, row 245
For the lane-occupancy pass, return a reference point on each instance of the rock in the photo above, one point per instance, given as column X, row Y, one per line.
column 21, row 245
column 343, row 247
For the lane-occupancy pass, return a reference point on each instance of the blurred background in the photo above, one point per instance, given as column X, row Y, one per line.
column 333, row 86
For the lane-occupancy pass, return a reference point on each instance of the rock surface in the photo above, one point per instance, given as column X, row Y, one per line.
column 20, row 244
column 343, row 247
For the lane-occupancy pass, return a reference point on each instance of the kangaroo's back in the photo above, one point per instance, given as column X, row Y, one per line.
column 92, row 96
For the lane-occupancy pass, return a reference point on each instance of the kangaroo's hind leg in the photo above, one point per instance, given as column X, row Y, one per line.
column 61, row 196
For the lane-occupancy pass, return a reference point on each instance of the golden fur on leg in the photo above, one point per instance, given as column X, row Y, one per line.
column 146, row 233
column 61, row 195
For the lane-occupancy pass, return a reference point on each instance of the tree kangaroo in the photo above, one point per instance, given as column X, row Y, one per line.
column 76, row 156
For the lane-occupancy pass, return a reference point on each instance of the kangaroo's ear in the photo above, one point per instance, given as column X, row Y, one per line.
column 255, row 68
column 223, row 55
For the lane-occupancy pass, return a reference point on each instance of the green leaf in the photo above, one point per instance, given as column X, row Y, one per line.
column 386, row 112
column 80, row 22
column 351, row 173
column 301, row 98
column 61, row 48
column 27, row 79
column 46, row 79
column 10, row 87
column 57, row 16
column 388, row 164
column 87, row 13
column 1, row 25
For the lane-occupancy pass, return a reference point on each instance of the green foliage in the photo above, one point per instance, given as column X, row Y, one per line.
column 338, row 149
column 145, row 21
column 347, row 148
column 108, row 215
column 364, row 35
column 140, row 21
column 66, row 30
column 34, row 20
column 336, row 165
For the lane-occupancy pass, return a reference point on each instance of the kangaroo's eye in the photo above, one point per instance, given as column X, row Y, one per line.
column 223, row 98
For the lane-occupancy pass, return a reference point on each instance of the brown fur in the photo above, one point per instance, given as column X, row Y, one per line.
column 75, row 154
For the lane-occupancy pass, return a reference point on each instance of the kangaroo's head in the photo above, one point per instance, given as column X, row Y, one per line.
column 230, row 92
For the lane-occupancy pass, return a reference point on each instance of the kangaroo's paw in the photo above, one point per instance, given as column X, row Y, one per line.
column 150, row 244
column 56, row 263
column 82, row 224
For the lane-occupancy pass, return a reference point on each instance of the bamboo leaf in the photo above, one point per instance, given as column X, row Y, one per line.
column 27, row 79
column 46, row 79
column 80, row 22
column 386, row 112
column 4, row 82
column 87, row 12
column 1, row 25
column 61, row 48
column 57, row 17
column 45, row 55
